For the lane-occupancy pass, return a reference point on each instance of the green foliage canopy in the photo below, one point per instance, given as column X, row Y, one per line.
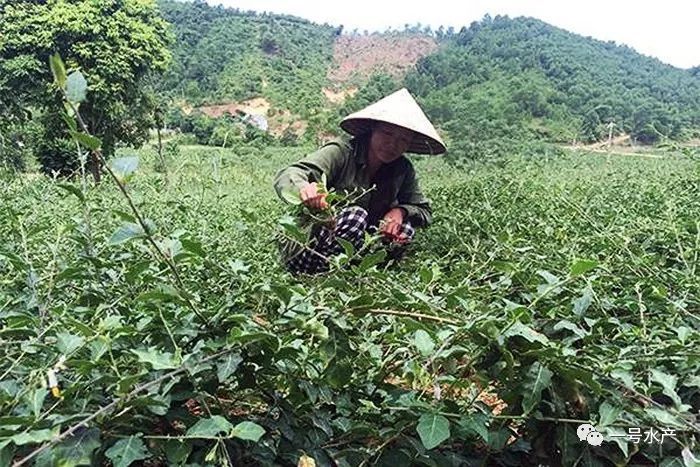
column 506, row 78
column 116, row 44
column 223, row 54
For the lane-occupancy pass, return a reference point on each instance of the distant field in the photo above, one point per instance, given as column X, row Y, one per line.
column 566, row 286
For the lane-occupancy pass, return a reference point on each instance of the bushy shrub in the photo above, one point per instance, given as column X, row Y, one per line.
column 17, row 141
column 57, row 154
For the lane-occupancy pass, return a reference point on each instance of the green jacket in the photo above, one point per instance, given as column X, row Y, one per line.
column 343, row 163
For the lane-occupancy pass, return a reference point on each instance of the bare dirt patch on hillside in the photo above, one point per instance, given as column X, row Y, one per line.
column 339, row 96
column 364, row 55
column 255, row 106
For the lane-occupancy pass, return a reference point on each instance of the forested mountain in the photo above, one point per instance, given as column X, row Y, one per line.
column 497, row 81
column 224, row 55
column 504, row 77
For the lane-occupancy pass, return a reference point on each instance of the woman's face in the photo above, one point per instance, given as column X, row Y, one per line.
column 388, row 142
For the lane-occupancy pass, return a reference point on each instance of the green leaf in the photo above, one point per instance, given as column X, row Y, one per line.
column 339, row 374
column 498, row 438
column 249, row 431
column 316, row 328
column 177, row 451
column 209, row 427
column 73, row 190
column 157, row 359
column 68, row 343
column 683, row 332
column 291, row 228
column 673, row 462
column 582, row 267
column 348, row 247
column 193, row 247
column 549, row 277
column 582, row 303
column 58, row 70
column 284, row 293
column 690, row 459
column 423, row 342
column 692, row 381
column 665, row 418
column 212, row 455
column 537, row 379
column 99, row 347
column 157, row 403
column 668, row 383
column 88, row 141
column 8, row 388
column 568, row 443
column 126, row 232
column 372, row 260
column 567, row 325
column 34, row 437
column 69, row 118
column 36, row 400
column 608, row 414
column 76, row 87
column 124, row 167
column 7, row 452
column 426, row 275
column 125, row 216
column 165, row 293
column 519, row 329
column 227, row 366
column 75, row 450
column 126, row 451
column 237, row 266
column 477, row 423
column 433, row 429
column 624, row 376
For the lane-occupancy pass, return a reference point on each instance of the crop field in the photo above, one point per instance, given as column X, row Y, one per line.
column 550, row 291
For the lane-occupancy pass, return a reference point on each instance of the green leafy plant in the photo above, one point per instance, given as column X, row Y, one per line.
column 150, row 322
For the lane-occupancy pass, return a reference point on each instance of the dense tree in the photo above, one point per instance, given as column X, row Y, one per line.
column 504, row 79
column 500, row 79
column 223, row 54
column 116, row 44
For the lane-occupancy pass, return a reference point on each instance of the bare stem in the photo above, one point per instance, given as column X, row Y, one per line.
column 407, row 314
column 141, row 221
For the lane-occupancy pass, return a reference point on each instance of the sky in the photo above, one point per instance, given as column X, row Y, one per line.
column 668, row 30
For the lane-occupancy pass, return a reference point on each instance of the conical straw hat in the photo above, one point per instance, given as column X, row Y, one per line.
column 399, row 108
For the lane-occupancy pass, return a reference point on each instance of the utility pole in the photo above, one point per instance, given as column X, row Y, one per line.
column 611, row 125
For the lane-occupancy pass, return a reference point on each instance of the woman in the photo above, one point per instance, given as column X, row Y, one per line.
column 373, row 158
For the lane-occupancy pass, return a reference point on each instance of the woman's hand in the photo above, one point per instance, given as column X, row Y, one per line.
column 311, row 197
column 391, row 225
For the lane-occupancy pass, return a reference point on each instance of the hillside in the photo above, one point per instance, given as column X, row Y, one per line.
column 509, row 78
column 362, row 55
column 489, row 86
column 223, row 55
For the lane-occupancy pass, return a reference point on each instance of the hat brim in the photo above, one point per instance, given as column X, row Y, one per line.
column 421, row 143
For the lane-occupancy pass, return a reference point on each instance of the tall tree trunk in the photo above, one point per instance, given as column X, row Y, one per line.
column 95, row 168
column 160, row 153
